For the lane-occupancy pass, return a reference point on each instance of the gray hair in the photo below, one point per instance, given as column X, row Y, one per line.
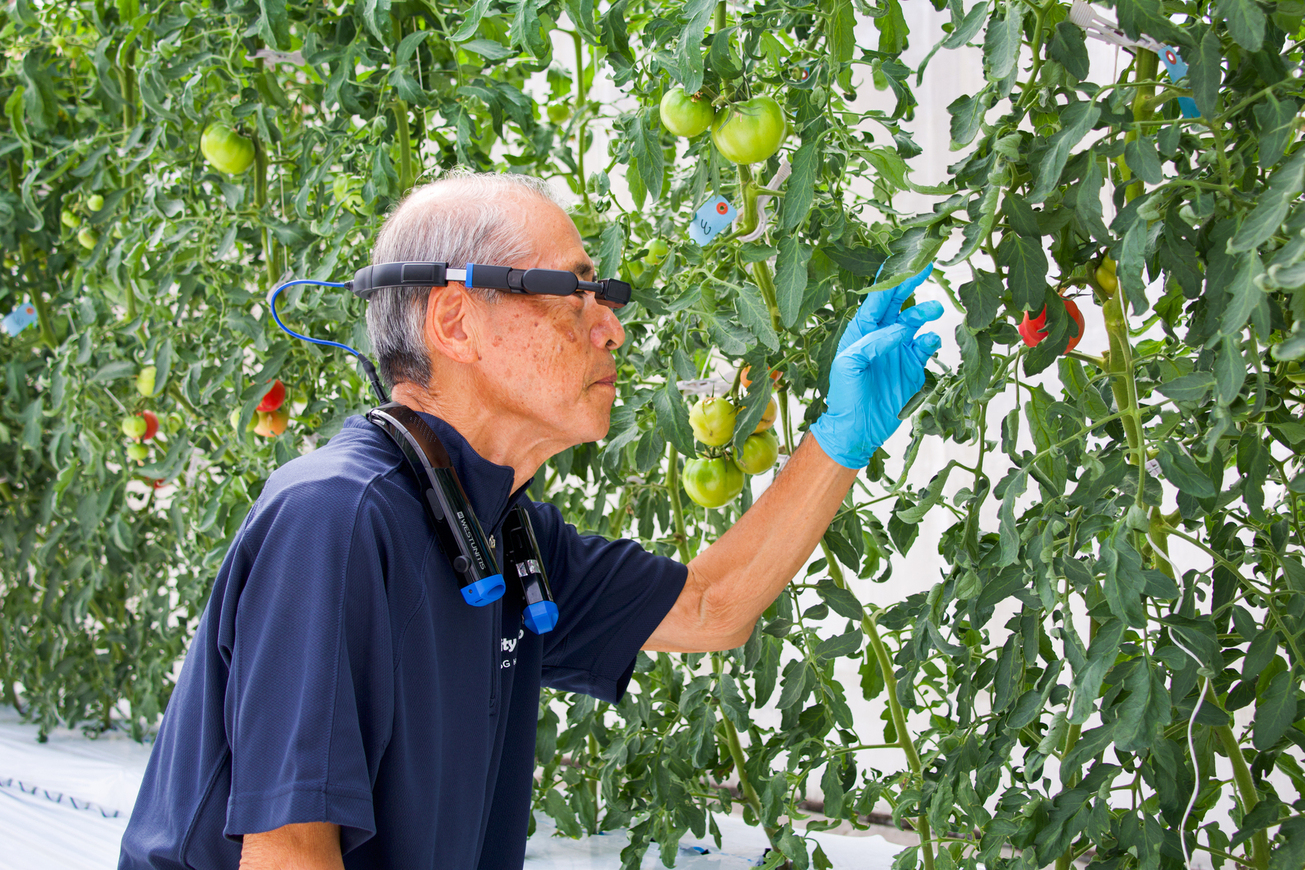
column 460, row 218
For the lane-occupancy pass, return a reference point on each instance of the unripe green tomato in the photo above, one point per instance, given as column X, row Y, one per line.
column 69, row 219
column 145, row 380
column 87, row 237
column 712, row 482
column 94, row 202
column 137, row 452
column 712, row 420
column 759, row 452
column 657, row 251
column 226, row 149
column 559, row 112
column 750, row 131
column 685, row 115
column 133, row 426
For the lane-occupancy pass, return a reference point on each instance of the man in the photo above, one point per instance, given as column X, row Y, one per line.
column 341, row 705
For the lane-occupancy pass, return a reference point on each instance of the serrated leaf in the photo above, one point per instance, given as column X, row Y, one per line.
column 1069, row 48
column 471, row 21
column 1189, row 388
column 799, row 190
column 1205, row 72
column 791, row 278
column 1077, row 119
column 1100, row 658
column 1271, row 209
column 847, row 644
column 1245, row 22
column 1001, row 44
column 1144, row 160
column 673, row 417
column 1182, row 471
column 1275, row 710
column 754, row 314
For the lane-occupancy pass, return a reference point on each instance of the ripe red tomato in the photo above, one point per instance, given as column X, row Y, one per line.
column 712, row 482
column 151, row 424
column 1033, row 329
column 750, row 131
column 685, row 115
column 274, row 397
column 712, row 420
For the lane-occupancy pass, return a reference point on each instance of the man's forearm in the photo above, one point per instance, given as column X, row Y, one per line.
column 734, row 580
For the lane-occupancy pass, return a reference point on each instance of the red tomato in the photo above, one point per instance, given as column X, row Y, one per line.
column 151, row 424
column 273, row 398
column 1033, row 329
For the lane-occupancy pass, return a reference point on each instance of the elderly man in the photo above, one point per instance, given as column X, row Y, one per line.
column 341, row 704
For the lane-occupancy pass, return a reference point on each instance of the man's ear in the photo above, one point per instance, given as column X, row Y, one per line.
column 452, row 323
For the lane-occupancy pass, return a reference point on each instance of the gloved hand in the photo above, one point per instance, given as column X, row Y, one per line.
column 878, row 368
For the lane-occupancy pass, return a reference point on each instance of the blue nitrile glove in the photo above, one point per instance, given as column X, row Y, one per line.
column 878, row 368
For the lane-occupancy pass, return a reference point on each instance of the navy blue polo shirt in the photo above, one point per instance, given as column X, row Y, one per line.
column 337, row 674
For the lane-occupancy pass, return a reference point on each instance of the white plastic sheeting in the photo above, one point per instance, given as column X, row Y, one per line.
column 65, row 804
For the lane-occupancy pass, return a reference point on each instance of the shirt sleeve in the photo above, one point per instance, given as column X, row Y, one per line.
column 611, row 596
column 309, row 693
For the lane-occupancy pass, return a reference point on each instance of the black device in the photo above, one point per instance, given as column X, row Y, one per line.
column 610, row 292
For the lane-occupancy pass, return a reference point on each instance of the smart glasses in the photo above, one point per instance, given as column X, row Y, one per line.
column 609, row 292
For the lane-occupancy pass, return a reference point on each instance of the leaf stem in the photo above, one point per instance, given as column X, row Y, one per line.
column 1246, row 789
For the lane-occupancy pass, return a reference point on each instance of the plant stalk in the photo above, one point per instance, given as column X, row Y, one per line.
column 1246, row 789
column 677, row 509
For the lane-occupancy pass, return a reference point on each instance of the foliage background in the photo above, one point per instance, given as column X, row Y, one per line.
column 1062, row 731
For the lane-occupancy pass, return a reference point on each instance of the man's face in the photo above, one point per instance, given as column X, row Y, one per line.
column 549, row 362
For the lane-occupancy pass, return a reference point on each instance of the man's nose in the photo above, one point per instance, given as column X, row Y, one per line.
column 607, row 331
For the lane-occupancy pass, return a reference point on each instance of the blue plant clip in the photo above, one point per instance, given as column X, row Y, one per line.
column 714, row 215
column 19, row 319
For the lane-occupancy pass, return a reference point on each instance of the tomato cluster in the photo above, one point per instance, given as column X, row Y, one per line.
column 748, row 131
column 1034, row 329
column 715, row 477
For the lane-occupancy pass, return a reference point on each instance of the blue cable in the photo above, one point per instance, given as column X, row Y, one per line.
column 366, row 363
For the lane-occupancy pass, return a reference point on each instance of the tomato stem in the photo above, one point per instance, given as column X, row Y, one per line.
column 1246, row 789
column 580, row 97
column 677, row 508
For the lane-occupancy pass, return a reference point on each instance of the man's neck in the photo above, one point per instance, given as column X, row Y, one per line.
column 493, row 438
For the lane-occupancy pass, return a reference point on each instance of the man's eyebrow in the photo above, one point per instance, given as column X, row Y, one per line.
column 582, row 268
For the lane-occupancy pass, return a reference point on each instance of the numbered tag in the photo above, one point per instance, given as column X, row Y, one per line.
column 714, row 215
column 20, row 318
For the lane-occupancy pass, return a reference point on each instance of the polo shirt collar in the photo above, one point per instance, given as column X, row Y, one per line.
column 488, row 485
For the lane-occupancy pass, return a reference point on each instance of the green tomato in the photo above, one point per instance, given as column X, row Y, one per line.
column 685, row 115
column 759, row 452
column 134, row 426
column 559, row 112
column 87, row 237
column 138, row 452
column 750, row 131
column 94, row 202
column 712, row 482
column 69, row 219
column 657, row 251
column 713, row 421
column 226, row 149
column 145, row 380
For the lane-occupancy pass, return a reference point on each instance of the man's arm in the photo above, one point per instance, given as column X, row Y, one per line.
column 308, row 846
column 733, row 581
column 878, row 368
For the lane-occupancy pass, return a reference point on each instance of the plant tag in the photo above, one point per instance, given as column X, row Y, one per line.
column 1174, row 63
column 20, row 318
column 714, row 215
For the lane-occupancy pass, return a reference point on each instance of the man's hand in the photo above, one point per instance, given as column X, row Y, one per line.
column 878, row 368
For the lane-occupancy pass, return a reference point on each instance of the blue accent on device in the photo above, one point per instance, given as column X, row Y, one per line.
column 541, row 616
column 485, row 591
column 466, row 282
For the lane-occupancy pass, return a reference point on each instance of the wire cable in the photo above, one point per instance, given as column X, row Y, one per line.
column 377, row 387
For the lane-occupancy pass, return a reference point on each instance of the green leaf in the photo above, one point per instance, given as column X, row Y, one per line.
column 112, row 371
column 1143, row 715
column 754, row 314
column 848, row 644
column 1284, row 188
column 1275, row 710
column 1188, row 388
column 982, row 299
column 1245, row 22
column 1182, row 471
column 800, row 188
column 1077, row 120
column 1277, row 120
column 1205, row 72
column 673, row 417
column 471, row 21
column 1069, row 48
column 1144, row 160
column 274, row 24
column 791, row 278
column 1001, row 44
column 967, row 118
column 488, row 49
column 1289, row 847
column 1123, row 582
column 1010, row 536
column 842, row 39
column 841, row 601
column 733, row 705
column 1027, row 276
column 1100, row 659
column 688, row 54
